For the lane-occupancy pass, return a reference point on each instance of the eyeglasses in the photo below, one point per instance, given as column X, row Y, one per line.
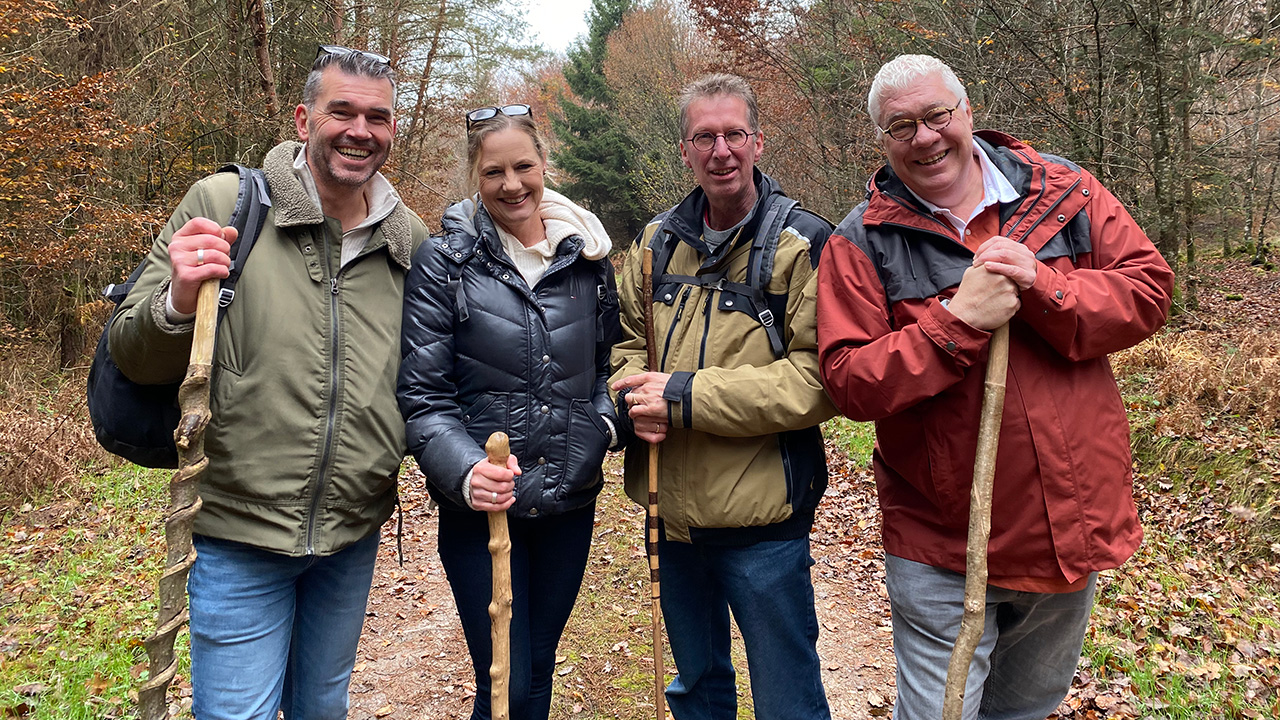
column 904, row 130
column 340, row 50
column 735, row 139
column 485, row 113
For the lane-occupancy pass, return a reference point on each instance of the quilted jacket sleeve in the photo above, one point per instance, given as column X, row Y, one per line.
column 425, row 388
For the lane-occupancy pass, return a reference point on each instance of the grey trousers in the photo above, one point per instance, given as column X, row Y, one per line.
column 1024, row 663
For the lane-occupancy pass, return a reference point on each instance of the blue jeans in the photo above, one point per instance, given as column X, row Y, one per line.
column 548, row 558
column 1025, row 660
column 768, row 588
column 271, row 632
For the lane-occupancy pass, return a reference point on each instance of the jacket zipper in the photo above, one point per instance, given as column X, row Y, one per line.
column 671, row 329
column 331, row 417
column 706, row 328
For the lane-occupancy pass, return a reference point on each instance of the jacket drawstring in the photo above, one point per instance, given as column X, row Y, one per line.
column 399, row 530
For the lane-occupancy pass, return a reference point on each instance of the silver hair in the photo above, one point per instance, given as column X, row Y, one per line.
column 352, row 63
column 719, row 84
column 903, row 71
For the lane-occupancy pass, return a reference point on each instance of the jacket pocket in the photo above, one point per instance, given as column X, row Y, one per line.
column 487, row 415
column 586, row 441
column 951, row 447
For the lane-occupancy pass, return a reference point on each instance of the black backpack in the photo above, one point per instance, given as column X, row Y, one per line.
column 135, row 421
column 764, row 308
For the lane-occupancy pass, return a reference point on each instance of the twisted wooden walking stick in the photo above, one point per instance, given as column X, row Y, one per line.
column 975, row 576
column 651, row 519
column 499, row 449
column 184, row 503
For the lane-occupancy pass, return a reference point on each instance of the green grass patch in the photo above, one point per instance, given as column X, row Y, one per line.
column 78, row 597
column 1188, row 627
column 856, row 439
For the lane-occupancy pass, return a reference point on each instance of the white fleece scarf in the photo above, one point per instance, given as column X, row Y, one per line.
column 561, row 218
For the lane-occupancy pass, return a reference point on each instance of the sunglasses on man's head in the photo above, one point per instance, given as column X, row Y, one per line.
column 340, row 50
column 486, row 113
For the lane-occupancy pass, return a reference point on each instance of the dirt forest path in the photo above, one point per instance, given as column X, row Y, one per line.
column 412, row 662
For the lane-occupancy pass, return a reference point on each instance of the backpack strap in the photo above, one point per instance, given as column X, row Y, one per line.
column 253, row 198
column 249, row 215
column 764, row 248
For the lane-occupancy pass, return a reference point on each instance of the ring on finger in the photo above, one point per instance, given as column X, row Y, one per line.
column 200, row 256
column 494, row 498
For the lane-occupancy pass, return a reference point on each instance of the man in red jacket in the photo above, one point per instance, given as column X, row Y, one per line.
column 961, row 233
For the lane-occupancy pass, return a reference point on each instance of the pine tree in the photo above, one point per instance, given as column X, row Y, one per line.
column 596, row 152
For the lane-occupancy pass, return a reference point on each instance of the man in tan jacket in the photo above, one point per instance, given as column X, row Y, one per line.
column 735, row 401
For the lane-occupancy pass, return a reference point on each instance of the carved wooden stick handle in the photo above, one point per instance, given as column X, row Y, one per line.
column 184, row 504
column 975, row 576
column 499, row 449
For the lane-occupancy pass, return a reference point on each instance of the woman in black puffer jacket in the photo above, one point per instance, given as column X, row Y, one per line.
column 509, row 318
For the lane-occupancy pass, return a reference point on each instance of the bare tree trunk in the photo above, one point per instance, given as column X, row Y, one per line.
column 1251, row 182
column 1162, row 158
column 339, row 17
column 1226, row 234
column 266, row 76
column 1260, row 247
column 420, row 105
column 360, row 31
column 391, row 43
column 1190, row 280
column 233, row 54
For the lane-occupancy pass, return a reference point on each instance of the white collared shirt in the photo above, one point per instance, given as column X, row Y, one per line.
column 995, row 189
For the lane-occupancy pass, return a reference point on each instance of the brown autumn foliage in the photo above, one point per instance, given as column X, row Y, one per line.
column 1197, row 376
column 61, row 221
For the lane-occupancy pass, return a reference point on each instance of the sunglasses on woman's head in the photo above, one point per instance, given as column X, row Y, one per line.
column 486, row 113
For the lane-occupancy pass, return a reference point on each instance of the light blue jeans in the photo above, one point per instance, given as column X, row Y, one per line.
column 768, row 588
column 271, row 632
column 1025, row 660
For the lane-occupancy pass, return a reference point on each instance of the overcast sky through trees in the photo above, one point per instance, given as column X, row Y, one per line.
column 557, row 23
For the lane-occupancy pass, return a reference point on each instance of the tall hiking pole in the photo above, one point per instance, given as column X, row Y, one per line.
column 184, row 503
column 651, row 520
column 499, row 449
column 975, row 575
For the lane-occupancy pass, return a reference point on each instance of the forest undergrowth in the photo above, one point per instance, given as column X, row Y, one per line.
column 1189, row 628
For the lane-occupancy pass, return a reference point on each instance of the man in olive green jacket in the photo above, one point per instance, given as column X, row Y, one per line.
column 306, row 439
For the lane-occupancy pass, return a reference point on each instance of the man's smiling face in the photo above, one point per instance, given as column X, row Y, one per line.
column 350, row 129
column 937, row 165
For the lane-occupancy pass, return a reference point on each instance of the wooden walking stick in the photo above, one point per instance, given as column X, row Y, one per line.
column 651, row 520
column 184, row 503
column 499, row 449
column 975, row 576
